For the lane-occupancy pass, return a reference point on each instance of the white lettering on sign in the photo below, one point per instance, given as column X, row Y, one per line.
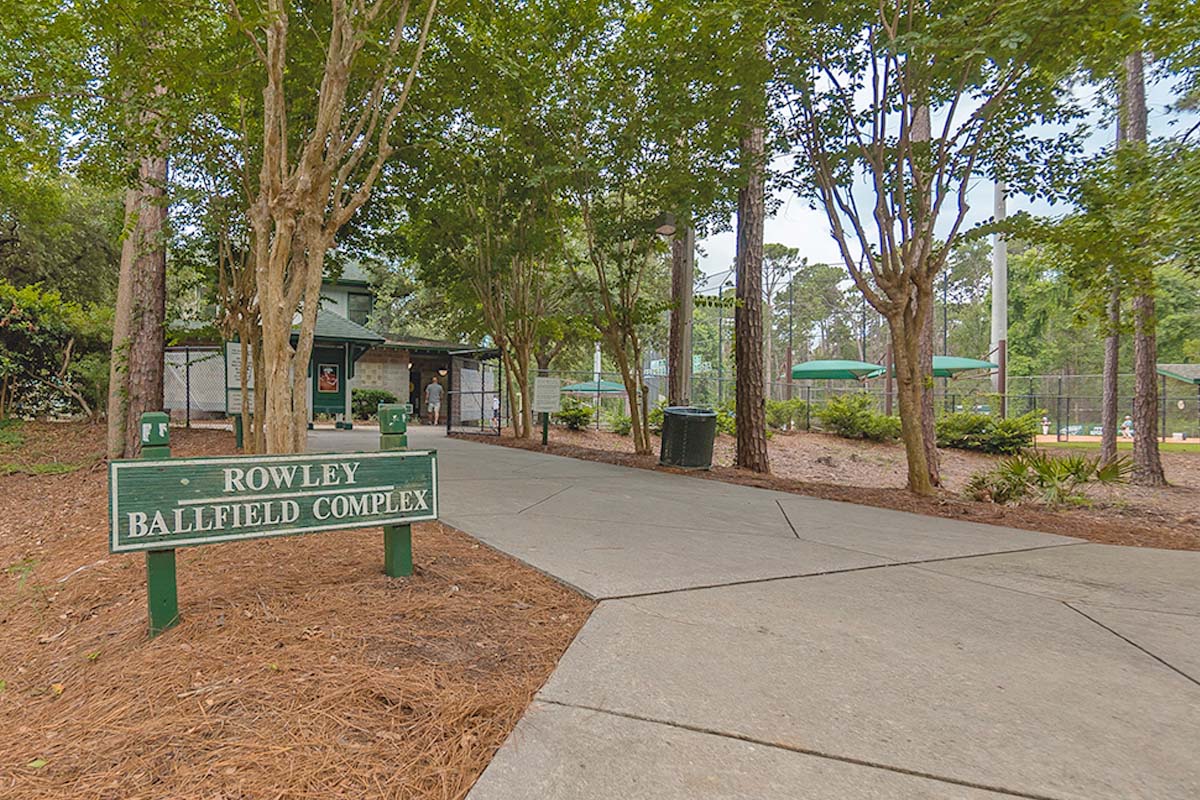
column 255, row 479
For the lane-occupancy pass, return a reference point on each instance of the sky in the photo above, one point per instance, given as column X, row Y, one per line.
column 797, row 225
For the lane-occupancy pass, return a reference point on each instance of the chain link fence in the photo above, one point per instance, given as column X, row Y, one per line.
column 194, row 384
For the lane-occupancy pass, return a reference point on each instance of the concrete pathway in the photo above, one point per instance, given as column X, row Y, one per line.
column 754, row 644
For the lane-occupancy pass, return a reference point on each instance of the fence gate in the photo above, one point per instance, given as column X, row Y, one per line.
column 476, row 396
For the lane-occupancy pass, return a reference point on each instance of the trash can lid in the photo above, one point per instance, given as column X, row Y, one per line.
column 689, row 411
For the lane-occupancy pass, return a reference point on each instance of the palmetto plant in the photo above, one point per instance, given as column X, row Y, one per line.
column 1052, row 479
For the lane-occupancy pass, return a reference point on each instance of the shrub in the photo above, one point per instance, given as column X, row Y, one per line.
column 575, row 413
column 727, row 418
column 620, row 423
column 364, row 403
column 654, row 420
column 966, row 430
column 853, row 417
column 1052, row 479
column 785, row 414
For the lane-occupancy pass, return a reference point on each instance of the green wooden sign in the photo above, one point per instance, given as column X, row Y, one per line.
column 158, row 504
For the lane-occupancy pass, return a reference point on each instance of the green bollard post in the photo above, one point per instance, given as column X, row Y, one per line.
column 238, row 432
column 545, row 429
column 397, row 539
column 162, row 597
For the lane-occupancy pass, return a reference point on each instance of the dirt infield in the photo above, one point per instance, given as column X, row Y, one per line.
column 298, row 670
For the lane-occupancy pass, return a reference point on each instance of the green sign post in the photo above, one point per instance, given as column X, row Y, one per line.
column 397, row 539
column 158, row 503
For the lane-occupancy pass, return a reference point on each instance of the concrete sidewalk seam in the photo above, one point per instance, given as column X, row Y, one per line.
column 1132, row 643
column 773, row 578
column 786, row 518
column 861, row 762
column 545, row 499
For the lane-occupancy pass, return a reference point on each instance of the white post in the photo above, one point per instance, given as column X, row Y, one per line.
column 596, row 365
column 1000, row 295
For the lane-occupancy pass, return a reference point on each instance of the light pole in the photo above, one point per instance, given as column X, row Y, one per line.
column 790, row 350
column 720, row 341
column 1000, row 301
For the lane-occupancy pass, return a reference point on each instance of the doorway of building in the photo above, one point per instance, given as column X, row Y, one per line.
column 414, row 393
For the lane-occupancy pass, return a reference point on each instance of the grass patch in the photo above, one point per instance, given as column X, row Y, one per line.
column 49, row 468
column 1165, row 447
column 10, row 434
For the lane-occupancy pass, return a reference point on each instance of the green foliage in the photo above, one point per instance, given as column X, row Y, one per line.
column 787, row 414
column 52, row 352
column 575, row 413
column 966, row 430
column 1049, row 479
column 853, row 417
column 364, row 403
column 727, row 418
column 620, row 423
column 654, row 419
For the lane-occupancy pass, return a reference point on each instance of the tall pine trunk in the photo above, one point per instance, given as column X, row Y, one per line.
column 748, row 318
column 136, row 369
column 1147, row 466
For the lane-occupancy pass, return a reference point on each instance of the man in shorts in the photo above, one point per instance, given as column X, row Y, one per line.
column 433, row 400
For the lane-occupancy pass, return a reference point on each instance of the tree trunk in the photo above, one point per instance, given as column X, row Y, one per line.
column 1112, row 364
column 1147, row 466
column 748, row 320
column 921, row 133
column 681, row 282
column 769, row 371
column 136, row 369
column 906, row 352
column 928, row 415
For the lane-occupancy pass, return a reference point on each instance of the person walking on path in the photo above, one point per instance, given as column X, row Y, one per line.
column 433, row 400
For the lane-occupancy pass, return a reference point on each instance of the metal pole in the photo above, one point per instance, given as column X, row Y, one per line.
column 720, row 345
column 1058, row 426
column 187, row 384
column 790, row 351
column 1163, row 433
column 945, row 311
column 1000, row 298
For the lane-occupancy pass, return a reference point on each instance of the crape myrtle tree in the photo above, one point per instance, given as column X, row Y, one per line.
column 334, row 80
column 664, row 110
column 485, row 226
column 486, row 219
column 896, row 107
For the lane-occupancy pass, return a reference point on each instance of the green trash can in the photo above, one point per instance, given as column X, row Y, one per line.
column 687, row 437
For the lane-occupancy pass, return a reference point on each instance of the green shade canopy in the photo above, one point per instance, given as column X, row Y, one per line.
column 595, row 387
column 836, row 370
column 1188, row 373
column 949, row 366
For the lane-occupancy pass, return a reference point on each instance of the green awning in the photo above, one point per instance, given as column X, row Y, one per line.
column 949, row 366
column 595, row 387
column 836, row 370
column 1188, row 373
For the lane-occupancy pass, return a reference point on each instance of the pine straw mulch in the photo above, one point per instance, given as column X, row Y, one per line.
column 1136, row 525
column 298, row 670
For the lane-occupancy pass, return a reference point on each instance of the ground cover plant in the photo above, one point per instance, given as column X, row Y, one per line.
column 298, row 669
column 1053, row 480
